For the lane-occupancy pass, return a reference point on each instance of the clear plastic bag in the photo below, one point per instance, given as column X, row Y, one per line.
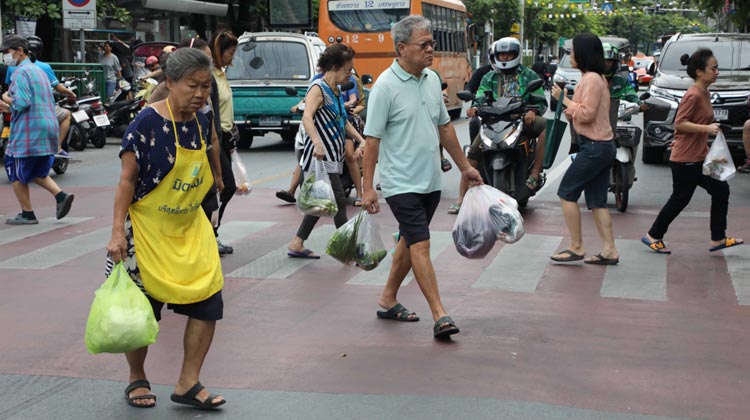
column 316, row 194
column 358, row 240
column 240, row 174
column 718, row 163
column 121, row 318
column 486, row 215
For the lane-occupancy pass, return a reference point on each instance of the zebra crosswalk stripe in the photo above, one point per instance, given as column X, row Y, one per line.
column 738, row 265
column 641, row 275
column 62, row 251
column 45, row 225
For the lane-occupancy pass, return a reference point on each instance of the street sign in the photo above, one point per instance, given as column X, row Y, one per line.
column 79, row 14
column 608, row 7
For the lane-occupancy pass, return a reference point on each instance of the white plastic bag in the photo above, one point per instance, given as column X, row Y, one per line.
column 215, row 214
column 316, row 194
column 486, row 215
column 358, row 240
column 240, row 174
column 718, row 163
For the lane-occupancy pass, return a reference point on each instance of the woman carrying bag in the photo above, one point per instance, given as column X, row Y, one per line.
column 693, row 124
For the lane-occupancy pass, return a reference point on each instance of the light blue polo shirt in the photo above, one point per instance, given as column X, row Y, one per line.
column 404, row 113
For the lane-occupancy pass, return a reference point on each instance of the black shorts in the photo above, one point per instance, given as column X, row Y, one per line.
column 211, row 309
column 589, row 173
column 414, row 213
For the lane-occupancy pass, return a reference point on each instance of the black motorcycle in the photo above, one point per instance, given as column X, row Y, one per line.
column 507, row 156
column 89, row 122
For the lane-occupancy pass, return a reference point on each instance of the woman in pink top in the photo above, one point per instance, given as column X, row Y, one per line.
column 693, row 124
column 589, row 173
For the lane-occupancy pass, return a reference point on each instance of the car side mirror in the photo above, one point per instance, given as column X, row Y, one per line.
column 534, row 85
column 645, row 96
column 465, row 96
column 366, row 79
column 652, row 69
column 290, row 90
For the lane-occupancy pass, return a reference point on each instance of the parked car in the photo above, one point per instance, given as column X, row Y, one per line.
column 729, row 95
column 264, row 65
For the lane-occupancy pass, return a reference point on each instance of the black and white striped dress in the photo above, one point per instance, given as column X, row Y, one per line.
column 330, row 122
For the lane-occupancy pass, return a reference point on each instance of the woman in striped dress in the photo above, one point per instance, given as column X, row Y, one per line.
column 326, row 125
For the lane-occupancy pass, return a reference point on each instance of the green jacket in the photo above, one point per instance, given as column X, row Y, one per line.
column 619, row 88
column 523, row 76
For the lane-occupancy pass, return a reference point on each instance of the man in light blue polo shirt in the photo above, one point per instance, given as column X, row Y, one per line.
column 406, row 123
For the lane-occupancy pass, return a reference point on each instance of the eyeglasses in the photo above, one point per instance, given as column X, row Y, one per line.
column 424, row 45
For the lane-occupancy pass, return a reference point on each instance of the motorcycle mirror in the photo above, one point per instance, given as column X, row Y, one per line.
column 465, row 95
column 366, row 79
column 290, row 90
column 534, row 85
column 347, row 86
column 645, row 96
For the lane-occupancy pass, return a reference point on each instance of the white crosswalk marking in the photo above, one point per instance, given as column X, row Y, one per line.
column 505, row 272
column 62, row 251
column 277, row 265
column 641, row 274
column 738, row 265
column 232, row 232
column 48, row 224
column 439, row 241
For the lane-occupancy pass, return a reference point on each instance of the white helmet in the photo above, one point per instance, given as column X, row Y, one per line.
column 505, row 45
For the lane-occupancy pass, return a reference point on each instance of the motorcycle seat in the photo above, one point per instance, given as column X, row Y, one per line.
column 119, row 104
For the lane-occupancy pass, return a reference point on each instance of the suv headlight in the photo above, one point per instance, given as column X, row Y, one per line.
column 559, row 78
column 662, row 93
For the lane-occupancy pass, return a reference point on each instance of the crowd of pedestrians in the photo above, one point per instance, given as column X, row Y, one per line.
column 176, row 177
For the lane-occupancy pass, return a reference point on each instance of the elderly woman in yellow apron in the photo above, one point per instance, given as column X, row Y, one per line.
column 160, row 229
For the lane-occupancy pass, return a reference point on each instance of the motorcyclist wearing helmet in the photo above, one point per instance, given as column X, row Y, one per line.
column 63, row 115
column 152, row 63
column 619, row 88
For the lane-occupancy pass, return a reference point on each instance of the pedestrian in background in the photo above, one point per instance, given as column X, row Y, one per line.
column 326, row 127
column 160, row 230
column 223, row 45
column 112, row 68
column 34, row 131
column 588, row 111
column 693, row 124
column 407, row 121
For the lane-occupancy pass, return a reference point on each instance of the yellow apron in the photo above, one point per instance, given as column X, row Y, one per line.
column 175, row 245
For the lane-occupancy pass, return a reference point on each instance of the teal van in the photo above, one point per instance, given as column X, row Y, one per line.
column 265, row 64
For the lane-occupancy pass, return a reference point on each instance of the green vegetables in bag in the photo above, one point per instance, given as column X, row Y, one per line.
column 369, row 260
column 358, row 241
column 311, row 201
column 343, row 244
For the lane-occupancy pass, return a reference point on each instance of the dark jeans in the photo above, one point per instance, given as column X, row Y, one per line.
column 308, row 222
column 685, row 178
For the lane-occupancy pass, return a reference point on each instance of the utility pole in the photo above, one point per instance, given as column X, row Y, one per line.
column 521, row 31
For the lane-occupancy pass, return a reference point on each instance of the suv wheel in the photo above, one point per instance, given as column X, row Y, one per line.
column 653, row 154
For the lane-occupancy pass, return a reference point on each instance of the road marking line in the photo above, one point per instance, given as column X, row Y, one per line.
column 48, row 224
column 270, row 178
column 738, row 265
column 641, row 274
column 235, row 230
column 61, row 252
column 439, row 241
column 506, row 273
column 277, row 265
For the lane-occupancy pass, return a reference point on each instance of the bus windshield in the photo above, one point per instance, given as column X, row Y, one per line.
column 264, row 60
column 361, row 16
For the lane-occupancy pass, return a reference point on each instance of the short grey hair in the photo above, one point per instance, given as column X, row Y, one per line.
column 186, row 61
column 402, row 30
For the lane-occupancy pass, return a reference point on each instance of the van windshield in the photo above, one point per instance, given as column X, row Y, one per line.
column 270, row 60
column 731, row 55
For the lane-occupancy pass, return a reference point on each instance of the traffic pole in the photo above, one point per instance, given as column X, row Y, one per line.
column 82, row 46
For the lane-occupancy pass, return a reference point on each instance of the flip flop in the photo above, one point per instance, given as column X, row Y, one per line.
column 140, row 383
column 444, row 328
column 572, row 256
column 188, row 398
column 657, row 246
column 286, row 196
column 398, row 313
column 305, row 253
column 357, row 202
column 454, row 208
column 728, row 243
column 602, row 260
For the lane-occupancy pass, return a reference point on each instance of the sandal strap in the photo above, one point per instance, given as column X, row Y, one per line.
column 193, row 392
column 139, row 383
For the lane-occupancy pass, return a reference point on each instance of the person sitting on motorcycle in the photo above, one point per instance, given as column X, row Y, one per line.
column 152, row 63
column 509, row 79
column 619, row 88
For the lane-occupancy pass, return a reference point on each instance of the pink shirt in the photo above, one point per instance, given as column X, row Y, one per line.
column 589, row 108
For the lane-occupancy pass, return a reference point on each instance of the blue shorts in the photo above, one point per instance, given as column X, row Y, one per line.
column 25, row 169
column 589, row 173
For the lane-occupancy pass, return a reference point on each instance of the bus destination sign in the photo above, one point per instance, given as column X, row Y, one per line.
column 341, row 5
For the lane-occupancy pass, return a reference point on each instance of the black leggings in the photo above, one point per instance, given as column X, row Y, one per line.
column 308, row 222
column 685, row 178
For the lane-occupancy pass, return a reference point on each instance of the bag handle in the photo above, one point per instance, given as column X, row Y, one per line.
column 558, row 111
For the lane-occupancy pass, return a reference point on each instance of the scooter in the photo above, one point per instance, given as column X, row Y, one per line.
column 627, row 138
column 507, row 156
column 87, row 115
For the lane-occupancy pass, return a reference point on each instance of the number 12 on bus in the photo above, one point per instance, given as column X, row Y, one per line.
column 366, row 26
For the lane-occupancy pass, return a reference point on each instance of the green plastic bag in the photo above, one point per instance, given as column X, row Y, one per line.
column 121, row 318
column 555, row 131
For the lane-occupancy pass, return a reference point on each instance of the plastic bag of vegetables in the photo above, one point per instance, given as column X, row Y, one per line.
column 486, row 215
column 316, row 194
column 358, row 241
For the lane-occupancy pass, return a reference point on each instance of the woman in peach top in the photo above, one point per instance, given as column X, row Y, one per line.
column 588, row 111
column 693, row 124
